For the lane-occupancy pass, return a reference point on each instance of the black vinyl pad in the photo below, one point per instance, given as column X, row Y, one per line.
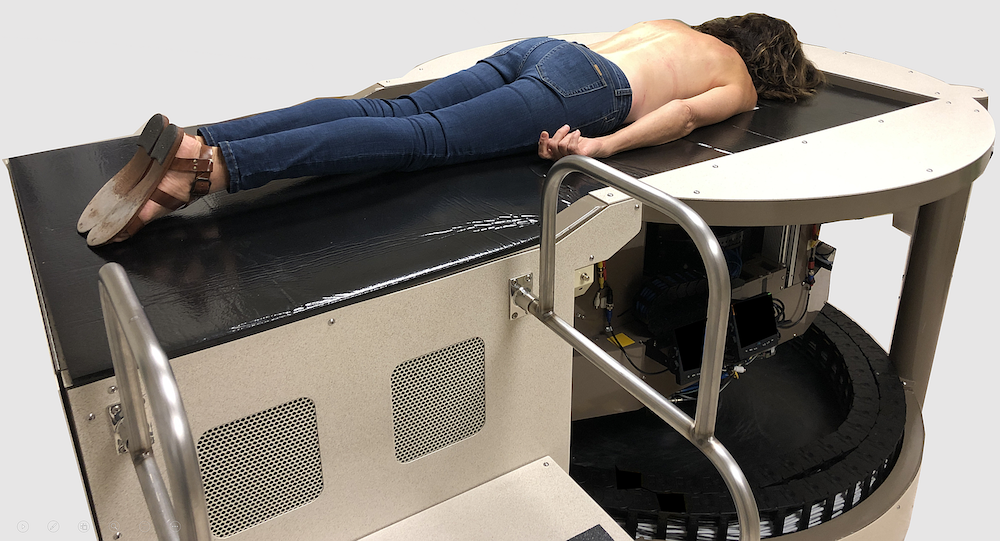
column 597, row 533
column 232, row 265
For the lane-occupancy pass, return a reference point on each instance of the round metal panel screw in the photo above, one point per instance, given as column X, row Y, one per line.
column 610, row 194
column 804, row 142
column 528, row 278
column 930, row 170
column 881, row 122
column 948, row 102
column 546, row 464
column 118, row 535
column 637, row 206
column 715, row 166
column 585, row 276
column 331, row 321
column 514, row 315
column 115, row 409
column 976, row 111
column 697, row 191
column 91, row 417
column 112, row 389
column 591, row 258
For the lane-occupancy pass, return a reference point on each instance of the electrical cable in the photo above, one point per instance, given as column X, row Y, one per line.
column 734, row 261
column 785, row 324
column 614, row 338
column 779, row 310
column 691, row 391
column 602, row 277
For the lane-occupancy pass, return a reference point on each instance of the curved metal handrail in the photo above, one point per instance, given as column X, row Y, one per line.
column 701, row 430
column 138, row 359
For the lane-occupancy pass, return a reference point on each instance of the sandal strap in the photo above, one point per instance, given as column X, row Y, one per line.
column 202, row 164
column 167, row 200
column 201, row 167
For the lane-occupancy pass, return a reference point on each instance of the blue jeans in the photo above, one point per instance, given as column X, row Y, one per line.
column 497, row 107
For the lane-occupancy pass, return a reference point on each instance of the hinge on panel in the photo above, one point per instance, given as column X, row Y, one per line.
column 516, row 284
column 120, row 428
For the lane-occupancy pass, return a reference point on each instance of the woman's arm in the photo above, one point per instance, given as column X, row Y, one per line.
column 673, row 120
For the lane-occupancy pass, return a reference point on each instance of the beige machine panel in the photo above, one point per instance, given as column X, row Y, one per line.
column 382, row 408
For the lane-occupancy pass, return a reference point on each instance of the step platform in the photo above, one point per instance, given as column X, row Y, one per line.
column 538, row 501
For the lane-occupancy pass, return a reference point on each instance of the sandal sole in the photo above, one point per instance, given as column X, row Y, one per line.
column 126, row 206
column 127, row 177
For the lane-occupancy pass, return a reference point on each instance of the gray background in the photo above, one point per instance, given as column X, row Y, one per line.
column 78, row 72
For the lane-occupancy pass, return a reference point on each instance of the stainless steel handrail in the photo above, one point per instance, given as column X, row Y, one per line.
column 138, row 358
column 701, row 430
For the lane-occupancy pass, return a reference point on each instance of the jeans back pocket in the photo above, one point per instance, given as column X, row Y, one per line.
column 569, row 71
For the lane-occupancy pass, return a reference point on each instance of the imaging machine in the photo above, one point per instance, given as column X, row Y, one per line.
column 637, row 347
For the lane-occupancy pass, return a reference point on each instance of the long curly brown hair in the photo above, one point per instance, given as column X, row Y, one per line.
column 772, row 52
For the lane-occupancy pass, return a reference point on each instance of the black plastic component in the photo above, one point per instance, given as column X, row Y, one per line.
column 754, row 329
column 823, row 262
column 690, row 341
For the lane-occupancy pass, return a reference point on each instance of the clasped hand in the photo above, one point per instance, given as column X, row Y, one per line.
column 564, row 143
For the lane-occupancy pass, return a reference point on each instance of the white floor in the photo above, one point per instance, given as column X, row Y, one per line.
column 75, row 72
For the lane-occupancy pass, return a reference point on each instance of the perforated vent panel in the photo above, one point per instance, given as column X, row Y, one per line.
column 439, row 399
column 260, row 466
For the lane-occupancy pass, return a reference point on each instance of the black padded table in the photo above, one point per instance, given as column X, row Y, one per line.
column 233, row 265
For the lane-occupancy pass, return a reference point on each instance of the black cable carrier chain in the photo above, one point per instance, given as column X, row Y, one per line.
column 843, row 467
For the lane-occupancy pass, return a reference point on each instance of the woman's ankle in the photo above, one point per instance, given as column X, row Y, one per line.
column 219, row 177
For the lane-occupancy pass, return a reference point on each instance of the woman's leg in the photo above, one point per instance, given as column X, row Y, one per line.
column 557, row 83
column 499, row 69
column 490, row 74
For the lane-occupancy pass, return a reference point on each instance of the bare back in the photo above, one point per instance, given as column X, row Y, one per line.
column 668, row 60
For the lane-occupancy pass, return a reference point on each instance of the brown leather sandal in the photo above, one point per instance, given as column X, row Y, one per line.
column 123, row 222
column 202, row 168
column 127, row 177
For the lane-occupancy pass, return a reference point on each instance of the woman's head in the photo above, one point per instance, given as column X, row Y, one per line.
column 772, row 52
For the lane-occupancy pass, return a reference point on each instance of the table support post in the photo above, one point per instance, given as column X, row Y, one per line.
column 933, row 249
